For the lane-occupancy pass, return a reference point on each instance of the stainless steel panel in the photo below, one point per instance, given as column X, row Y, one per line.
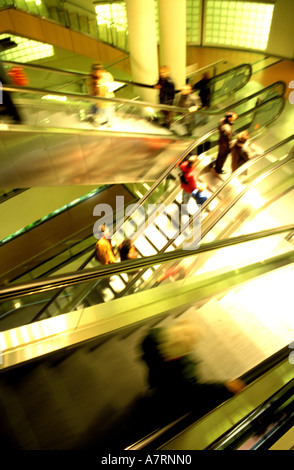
column 53, row 156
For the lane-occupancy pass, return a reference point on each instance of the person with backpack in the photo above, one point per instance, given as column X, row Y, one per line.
column 189, row 184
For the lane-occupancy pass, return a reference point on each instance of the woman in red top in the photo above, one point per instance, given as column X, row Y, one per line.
column 189, row 184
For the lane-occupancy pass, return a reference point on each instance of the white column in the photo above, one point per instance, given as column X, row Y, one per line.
column 143, row 45
column 172, row 27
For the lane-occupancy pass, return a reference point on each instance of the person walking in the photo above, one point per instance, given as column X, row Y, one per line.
column 203, row 86
column 189, row 184
column 239, row 152
column 101, row 87
column 190, row 101
column 166, row 88
column 224, row 141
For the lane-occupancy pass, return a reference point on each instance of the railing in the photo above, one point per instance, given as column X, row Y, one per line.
column 269, row 421
column 66, row 280
column 80, row 102
column 235, row 435
column 142, row 202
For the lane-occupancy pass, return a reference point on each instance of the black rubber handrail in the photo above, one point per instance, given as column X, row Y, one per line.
column 79, row 97
column 161, row 436
column 255, row 421
column 65, row 280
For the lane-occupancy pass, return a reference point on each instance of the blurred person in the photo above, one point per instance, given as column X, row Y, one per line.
column 192, row 103
column 7, row 107
column 239, row 152
column 166, row 88
column 203, row 86
column 18, row 77
column 101, row 87
column 127, row 250
column 189, row 184
column 225, row 139
column 169, row 353
column 103, row 248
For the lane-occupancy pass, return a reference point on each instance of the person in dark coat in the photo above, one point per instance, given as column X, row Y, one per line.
column 239, row 152
column 166, row 88
column 172, row 373
column 127, row 250
column 203, row 86
column 225, row 140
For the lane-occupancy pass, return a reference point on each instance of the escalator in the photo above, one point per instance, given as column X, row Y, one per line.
column 56, row 239
column 234, row 204
column 163, row 191
column 258, row 429
column 140, row 150
column 75, row 383
column 270, row 111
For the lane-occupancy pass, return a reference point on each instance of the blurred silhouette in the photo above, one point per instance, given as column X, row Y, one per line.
column 203, row 86
column 101, row 84
column 172, row 373
column 189, row 184
column 239, row 152
column 127, row 250
column 190, row 101
column 166, row 88
column 224, row 141
column 7, row 106
column 18, row 76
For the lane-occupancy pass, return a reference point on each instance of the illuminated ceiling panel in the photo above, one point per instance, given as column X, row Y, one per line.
column 238, row 23
column 26, row 50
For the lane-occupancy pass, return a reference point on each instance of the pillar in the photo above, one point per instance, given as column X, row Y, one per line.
column 172, row 27
column 143, row 45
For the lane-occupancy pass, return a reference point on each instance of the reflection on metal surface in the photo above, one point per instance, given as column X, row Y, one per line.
column 74, row 327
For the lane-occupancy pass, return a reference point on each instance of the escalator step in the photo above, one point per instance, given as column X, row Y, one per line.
column 16, row 420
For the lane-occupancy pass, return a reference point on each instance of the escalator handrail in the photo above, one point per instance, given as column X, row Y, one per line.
column 247, row 188
column 244, row 167
column 94, row 99
column 79, row 97
column 218, row 218
column 190, row 149
column 65, row 280
column 244, row 100
column 159, row 437
column 217, row 191
column 235, row 200
column 127, row 82
column 231, row 437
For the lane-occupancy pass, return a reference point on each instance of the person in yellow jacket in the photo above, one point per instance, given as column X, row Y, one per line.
column 101, row 86
column 103, row 249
